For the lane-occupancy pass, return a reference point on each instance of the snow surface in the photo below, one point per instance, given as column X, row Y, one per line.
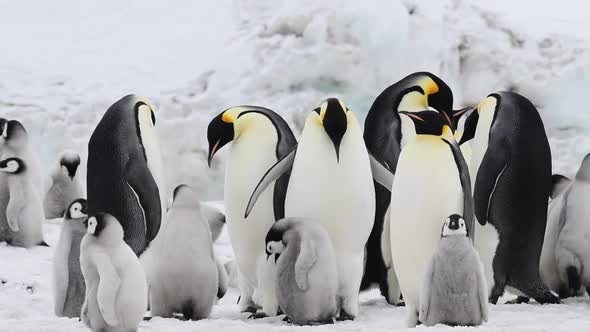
column 26, row 304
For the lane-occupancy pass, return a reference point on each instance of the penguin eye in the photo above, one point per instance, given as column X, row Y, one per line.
column 269, row 247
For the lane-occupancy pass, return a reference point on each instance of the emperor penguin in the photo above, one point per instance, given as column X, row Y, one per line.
column 14, row 143
column 569, row 230
column 124, row 176
column 343, row 199
column 306, row 270
column 431, row 183
column 259, row 138
column 68, row 283
column 24, row 211
column 454, row 290
column 185, row 277
column 511, row 177
column 65, row 186
column 116, row 287
column 385, row 134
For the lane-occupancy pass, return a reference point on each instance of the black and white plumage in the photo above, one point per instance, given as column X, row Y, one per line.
column 68, row 283
column 454, row 290
column 116, row 287
column 64, row 187
column 306, row 271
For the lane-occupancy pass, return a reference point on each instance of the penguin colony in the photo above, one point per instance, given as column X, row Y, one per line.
column 442, row 209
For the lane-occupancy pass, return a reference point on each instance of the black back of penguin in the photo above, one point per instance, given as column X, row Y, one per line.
column 118, row 179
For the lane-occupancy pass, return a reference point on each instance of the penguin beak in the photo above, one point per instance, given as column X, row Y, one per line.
column 470, row 126
column 219, row 133
column 335, row 123
column 413, row 116
column 276, row 257
column 84, row 209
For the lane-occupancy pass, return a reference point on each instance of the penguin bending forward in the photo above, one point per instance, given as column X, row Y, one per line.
column 69, row 288
column 385, row 134
column 65, row 186
column 116, row 287
column 306, row 271
column 511, row 177
column 124, row 170
column 331, row 161
column 454, row 290
column 259, row 138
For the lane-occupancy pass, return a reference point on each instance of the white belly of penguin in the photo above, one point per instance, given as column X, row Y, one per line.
column 246, row 165
column 339, row 196
column 426, row 190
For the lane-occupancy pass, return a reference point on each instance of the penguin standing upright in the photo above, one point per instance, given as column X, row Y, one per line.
column 259, row 137
column 64, row 187
column 331, row 183
column 431, row 183
column 385, row 134
column 124, row 170
column 511, row 164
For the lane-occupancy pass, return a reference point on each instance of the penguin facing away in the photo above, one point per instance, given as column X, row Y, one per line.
column 306, row 270
column 431, row 183
column 185, row 277
column 259, row 138
column 64, row 187
column 454, row 290
column 124, row 170
column 69, row 288
column 511, row 164
column 385, row 134
column 343, row 200
column 116, row 287
column 24, row 211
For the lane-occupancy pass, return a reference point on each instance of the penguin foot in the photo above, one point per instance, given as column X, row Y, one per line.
column 497, row 291
column 258, row 315
column 250, row 309
column 400, row 304
column 287, row 319
column 547, row 298
column 344, row 316
column 519, row 300
column 147, row 318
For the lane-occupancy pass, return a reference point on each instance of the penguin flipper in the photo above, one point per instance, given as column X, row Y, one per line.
column 61, row 280
column 141, row 181
column 492, row 167
column 468, row 208
column 305, row 261
column 222, row 279
column 559, row 182
column 482, row 290
column 281, row 167
column 108, row 287
column 381, row 173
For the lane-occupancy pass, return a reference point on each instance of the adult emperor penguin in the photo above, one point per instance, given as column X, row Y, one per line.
column 116, row 288
column 431, row 183
column 343, row 194
column 124, row 175
column 306, row 270
column 65, row 186
column 69, row 288
column 259, row 138
column 24, row 211
column 386, row 133
column 511, row 163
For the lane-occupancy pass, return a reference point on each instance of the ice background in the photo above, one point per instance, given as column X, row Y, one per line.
column 63, row 62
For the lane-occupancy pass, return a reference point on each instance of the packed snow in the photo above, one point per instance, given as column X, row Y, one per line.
column 63, row 62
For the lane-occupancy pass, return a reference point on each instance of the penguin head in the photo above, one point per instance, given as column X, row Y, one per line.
column 488, row 104
column 77, row 209
column 426, row 90
column 13, row 165
column 333, row 116
column 69, row 162
column 454, row 226
column 459, row 121
column 429, row 123
column 185, row 196
column 274, row 242
column 104, row 225
column 230, row 124
column 14, row 134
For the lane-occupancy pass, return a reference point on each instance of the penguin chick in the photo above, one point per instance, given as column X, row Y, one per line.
column 69, row 287
column 64, row 187
column 306, row 271
column 24, row 212
column 185, row 277
column 116, row 288
column 454, row 290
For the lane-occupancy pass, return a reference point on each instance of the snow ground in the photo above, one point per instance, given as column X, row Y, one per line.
column 26, row 304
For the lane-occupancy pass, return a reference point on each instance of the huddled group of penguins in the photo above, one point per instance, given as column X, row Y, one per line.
column 443, row 209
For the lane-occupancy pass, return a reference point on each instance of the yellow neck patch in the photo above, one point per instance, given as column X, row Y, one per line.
column 488, row 103
column 428, row 85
